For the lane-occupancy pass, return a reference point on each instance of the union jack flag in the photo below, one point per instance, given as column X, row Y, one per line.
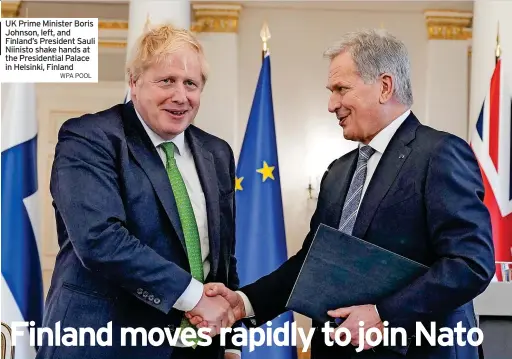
column 492, row 144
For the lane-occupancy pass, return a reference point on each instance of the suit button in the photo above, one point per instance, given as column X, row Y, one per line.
column 139, row 291
column 171, row 327
column 150, row 297
column 145, row 294
column 157, row 301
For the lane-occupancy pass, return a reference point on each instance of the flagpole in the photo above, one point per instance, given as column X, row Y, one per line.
column 265, row 36
column 498, row 47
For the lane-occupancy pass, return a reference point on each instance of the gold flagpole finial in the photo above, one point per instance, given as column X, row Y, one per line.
column 265, row 36
column 498, row 47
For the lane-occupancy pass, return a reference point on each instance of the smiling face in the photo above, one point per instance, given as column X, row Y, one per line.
column 167, row 94
column 355, row 103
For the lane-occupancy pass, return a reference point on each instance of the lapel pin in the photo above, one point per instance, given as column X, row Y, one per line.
column 402, row 156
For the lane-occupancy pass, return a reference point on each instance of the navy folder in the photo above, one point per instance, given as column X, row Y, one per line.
column 341, row 270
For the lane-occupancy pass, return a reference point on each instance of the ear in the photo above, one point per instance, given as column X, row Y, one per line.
column 132, row 84
column 132, row 81
column 386, row 88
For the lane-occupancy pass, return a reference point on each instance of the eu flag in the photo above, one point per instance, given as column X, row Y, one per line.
column 261, row 240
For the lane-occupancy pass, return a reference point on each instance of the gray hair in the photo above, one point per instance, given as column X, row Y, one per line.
column 375, row 52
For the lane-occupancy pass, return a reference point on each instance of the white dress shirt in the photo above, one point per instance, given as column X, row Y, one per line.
column 379, row 144
column 186, row 164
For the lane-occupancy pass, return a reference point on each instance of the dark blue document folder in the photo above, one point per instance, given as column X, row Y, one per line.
column 341, row 270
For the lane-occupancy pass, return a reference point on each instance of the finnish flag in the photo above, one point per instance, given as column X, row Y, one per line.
column 22, row 285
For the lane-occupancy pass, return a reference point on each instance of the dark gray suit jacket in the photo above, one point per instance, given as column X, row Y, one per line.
column 425, row 202
column 122, row 252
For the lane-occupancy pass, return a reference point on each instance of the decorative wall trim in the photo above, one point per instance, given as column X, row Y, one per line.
column 10, row 8
column 449, row 24
column 112, row 44
column 112, row 25
column 113, row 34
column 215, row 17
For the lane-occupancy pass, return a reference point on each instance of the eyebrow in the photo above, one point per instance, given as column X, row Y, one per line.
column 338, row 84
column 175, row 77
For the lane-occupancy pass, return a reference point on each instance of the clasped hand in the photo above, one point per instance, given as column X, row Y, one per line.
column 218, row 308
column 367, row 314
column 221, row 307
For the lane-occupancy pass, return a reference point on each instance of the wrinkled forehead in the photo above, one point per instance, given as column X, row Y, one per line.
column 342, row 67
column 186, row 63
column 186, row 60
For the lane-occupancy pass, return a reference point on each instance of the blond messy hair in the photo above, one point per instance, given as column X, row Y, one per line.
column 155, row 44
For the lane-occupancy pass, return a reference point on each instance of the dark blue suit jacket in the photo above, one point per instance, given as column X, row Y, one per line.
column 425, row 202
column 122, row 253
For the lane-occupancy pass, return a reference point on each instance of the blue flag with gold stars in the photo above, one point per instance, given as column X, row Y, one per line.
column 261, row 240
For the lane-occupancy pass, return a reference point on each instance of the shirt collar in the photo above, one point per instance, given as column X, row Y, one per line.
column 179, row 140
column 382, row 139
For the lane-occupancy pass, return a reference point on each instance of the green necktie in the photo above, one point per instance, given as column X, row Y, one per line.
column 187, row 218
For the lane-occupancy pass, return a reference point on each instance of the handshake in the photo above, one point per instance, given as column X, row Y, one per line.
column 219, row 307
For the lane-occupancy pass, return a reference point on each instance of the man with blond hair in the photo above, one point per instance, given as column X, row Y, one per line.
column 144, row 206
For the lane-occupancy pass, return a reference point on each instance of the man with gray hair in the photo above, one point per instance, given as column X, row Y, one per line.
column 408, row 188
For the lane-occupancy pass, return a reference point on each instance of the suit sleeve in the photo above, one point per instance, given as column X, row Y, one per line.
column 233, row 280
column 269, row 294
column 87, row 193
column 461, row 237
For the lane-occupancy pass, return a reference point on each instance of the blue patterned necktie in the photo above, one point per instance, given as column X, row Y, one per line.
column 351, row 205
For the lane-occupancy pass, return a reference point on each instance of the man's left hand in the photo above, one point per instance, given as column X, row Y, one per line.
column 366, row 313
column 231, row 356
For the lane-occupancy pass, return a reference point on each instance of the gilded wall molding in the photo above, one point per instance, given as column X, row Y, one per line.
column 449, row 24
column 112, row 25
column 112, row 34
column 215, row 17
column 112, row 44
column 10, row 8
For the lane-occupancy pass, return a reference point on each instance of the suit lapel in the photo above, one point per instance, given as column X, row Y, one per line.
column 208, row 178
column 387, row 170
column 148, row 159
column 342, row 178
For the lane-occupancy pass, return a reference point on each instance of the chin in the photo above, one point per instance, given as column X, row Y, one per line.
column 176, row 129
column 347, row 135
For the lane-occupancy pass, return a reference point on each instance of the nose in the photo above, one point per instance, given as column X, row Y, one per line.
column 334, row 103
column 179, row 95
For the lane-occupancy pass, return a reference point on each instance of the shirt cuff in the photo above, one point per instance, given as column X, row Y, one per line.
column 249, row 311
column 190, row 297
column 234, row 351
